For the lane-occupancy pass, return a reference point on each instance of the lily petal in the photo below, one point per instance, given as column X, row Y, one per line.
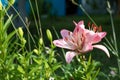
column 87, row 47
column 69, row 56
column 62, row 44
column 102, row 48
column 78, row 30
column 99, row 36
column 102, row 34
column 81, row 24
column 65, row 33
column 90, row 35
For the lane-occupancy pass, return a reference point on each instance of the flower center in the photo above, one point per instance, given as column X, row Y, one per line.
column 80, row 43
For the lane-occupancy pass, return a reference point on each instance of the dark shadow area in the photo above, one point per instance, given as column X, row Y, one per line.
column 70, row 8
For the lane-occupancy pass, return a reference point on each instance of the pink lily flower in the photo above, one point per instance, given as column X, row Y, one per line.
column 81, row 40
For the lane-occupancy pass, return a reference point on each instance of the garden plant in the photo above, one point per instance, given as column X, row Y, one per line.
column 24, row 56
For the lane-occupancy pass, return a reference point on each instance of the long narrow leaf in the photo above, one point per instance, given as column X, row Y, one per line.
column 7, row 23
column 9, row 37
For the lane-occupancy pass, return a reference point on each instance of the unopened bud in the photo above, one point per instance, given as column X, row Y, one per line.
column 23, row 41
column 36, row 51
column 41, row 41
column 49, row 35
column 20, row 32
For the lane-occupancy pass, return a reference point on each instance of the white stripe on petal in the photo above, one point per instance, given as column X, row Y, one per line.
column 62, row 44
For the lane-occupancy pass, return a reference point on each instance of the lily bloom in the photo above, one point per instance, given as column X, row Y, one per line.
column 81, row 40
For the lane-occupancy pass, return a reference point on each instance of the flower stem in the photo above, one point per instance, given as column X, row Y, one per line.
column 81, row 7
column 113, row 31
column 115, row 41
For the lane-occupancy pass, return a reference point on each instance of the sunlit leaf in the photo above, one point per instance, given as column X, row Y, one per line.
column 20, row 69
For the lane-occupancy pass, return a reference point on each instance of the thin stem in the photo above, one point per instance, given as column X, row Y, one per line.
column 114, row 35
column 111, row 47
column 87, row 14
column 115, row 42
column 24, row 24
column 81, row 7
column 11, row 21
column 34, row 16
column 39, row 22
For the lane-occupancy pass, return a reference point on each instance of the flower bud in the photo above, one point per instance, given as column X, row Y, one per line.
column 49, row 35
column 20, row 32
column 23, row 41
column 41, row 41
column 36, row 51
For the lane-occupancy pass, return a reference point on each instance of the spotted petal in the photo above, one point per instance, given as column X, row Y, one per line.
column 93, row 37
column 65, row 33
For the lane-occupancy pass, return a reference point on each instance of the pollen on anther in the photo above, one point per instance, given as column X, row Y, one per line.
column 95, row 29
column 68, row 33
column 100, row 29
column 88, row 24
column 93, row 25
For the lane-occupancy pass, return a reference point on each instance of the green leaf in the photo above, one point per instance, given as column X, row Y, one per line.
column 8, row 38
column 94, row 76
column 38, row 61
column 11, row 59
column 7, row 23
column 46, row 65
column 56, row 66
column 28, row 56
column 34, row 69
column 20, row 69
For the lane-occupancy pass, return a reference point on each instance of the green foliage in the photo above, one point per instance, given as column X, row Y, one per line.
column 17, row 62
column 83, row 70
column 20, row 59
